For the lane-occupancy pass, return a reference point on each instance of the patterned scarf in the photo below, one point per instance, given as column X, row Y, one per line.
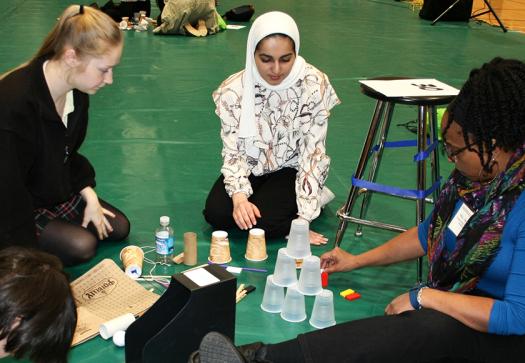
column 478, row 242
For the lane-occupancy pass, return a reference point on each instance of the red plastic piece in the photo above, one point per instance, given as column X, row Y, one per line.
column 324, row 279
column 353, row 296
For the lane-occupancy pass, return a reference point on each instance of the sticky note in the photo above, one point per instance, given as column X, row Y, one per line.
column 346, row 292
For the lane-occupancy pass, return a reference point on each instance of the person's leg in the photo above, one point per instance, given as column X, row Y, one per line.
column 219, row 207
column 422, row 336
column 120, row 223
column 277, row 202
column 416, row 336
column 273, row 194
column 59, row 230
column 72, row 243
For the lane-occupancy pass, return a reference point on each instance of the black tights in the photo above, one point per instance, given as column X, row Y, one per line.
column 74, row 244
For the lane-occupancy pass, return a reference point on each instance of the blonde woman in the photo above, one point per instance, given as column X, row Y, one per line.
column 47, row 187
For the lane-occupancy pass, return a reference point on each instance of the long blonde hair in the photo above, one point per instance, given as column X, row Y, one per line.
column 86, row 30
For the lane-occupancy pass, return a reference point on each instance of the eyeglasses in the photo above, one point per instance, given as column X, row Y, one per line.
column 451, row 154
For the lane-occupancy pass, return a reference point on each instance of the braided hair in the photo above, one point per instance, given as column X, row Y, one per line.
column 490, row 108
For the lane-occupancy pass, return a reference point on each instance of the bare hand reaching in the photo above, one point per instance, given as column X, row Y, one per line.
column 337, row 260
column 245, row 213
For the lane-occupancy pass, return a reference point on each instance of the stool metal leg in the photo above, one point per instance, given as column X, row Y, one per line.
column 345, row 211
column 435, row 154
column 376, row 161
column 421, row 176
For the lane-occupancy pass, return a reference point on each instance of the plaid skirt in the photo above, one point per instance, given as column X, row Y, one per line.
column 71, row 210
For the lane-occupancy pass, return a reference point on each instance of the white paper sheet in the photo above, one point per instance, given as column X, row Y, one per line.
column 417, row 87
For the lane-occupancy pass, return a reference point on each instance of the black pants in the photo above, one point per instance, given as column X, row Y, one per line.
column 416, row 336
column 273, row 194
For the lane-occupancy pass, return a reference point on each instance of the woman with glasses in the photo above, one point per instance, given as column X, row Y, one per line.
column 472, row 307
column 46, row 185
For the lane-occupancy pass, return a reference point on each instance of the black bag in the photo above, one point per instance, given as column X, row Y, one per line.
column 433, row 8
column 240, row 13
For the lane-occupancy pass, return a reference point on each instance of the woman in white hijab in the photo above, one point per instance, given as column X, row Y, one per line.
column 274, row 119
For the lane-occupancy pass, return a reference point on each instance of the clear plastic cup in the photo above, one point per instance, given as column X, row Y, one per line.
column 310, row 278
column 298, row 245
column 293, row 307
column 284, row 273
column 273, row 296
column 323, row 310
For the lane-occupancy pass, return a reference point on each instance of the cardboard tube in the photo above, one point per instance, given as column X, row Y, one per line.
column 190, row 248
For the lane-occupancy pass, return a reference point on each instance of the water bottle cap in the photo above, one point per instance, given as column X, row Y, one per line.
column 164, row 220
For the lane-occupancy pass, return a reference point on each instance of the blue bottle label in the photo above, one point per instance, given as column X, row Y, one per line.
column 164, row 243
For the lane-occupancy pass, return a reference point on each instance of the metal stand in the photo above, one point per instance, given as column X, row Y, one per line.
column 491, row 10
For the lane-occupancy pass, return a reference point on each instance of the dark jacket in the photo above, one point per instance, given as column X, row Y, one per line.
column 39, row 162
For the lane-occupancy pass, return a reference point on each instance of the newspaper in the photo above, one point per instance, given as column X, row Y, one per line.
column 104, row 293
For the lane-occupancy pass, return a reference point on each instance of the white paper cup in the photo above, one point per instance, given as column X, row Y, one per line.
column 256, row 246
column 219, row 248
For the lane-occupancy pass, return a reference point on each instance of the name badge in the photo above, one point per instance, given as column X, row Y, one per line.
column 460, row 219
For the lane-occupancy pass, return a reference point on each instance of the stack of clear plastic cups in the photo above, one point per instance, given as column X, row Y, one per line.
column 273, row 296
column 310, row 278
column 284, row 273
column 293, row 309
column 298, row 245
column 323, row 310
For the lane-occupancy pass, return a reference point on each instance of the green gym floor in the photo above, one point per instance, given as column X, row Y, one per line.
column 154, row 137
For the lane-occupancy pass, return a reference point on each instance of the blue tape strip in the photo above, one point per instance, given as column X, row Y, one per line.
column 426, row 153
column 410, row 193
column 407, row 143
column 400, row 143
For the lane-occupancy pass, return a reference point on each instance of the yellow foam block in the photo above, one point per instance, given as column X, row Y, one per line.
column 346, row 292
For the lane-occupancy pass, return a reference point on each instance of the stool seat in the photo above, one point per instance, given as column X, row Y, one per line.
column 406, row 100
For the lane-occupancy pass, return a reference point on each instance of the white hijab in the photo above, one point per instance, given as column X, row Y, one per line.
column 266, row 24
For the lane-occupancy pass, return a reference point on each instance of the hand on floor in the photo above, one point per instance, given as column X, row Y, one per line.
column 317, row 238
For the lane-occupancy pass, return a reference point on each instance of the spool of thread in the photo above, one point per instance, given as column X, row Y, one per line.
column 132, row 258
column 190, row 248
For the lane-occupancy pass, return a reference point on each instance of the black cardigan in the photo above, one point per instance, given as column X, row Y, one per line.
column 39, row 162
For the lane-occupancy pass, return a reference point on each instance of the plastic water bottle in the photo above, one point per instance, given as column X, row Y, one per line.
column 164, row 240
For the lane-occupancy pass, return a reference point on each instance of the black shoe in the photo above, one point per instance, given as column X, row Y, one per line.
column 218, row 348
